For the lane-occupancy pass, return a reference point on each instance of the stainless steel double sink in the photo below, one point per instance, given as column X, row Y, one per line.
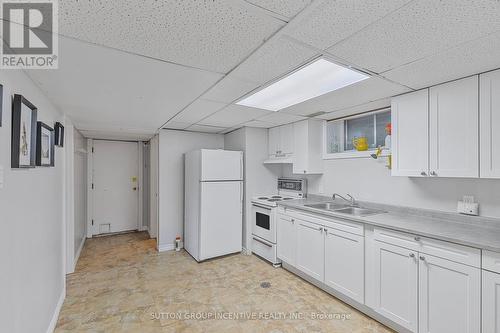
column 345, row 209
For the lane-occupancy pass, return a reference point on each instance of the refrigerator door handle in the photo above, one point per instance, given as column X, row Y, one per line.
column 241, row 167
column 241, row 197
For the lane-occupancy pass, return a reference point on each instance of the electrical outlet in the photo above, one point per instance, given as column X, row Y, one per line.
column 468, row 206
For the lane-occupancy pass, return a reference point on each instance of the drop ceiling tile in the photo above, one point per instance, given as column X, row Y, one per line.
column 280, row 118
column 205, row 129
column 213, row 35
column 375, row 105
column 273, row 60
column 288, row 8
column 198, row 110
column 233, row 115
column 418, row 30
column 116, row 89
column 333, row 21
column 258, row 123
column 176, row 125
column 229, row 89
column 362, row 92
column 470, row 58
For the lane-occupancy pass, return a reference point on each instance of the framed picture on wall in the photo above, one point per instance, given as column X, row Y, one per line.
column 23, row 143
column 1, row 104
column 59, row 129
column 44, row 145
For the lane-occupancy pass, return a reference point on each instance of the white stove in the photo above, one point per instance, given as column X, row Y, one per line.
column 271, row 200
column 264, row 220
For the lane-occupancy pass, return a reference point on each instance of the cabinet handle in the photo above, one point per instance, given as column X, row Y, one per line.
column 423, row 173
column 434, row 173
column 422, row 258
column 293, row 221
column 412, row 255
column 417, row 239
column 321, row 229
column 326, row 230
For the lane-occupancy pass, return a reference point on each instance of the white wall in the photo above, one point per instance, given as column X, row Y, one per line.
column 369, row 180
column 172, row 147
column 80, row 192
column 32, row 241
column 259, row 179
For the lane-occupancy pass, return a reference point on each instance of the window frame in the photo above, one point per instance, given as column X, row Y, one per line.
column 352, row 153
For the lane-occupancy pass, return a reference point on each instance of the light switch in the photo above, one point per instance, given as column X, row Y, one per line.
column 1, row 176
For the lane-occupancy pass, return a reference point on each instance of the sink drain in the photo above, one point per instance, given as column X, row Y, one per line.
column 265, row 285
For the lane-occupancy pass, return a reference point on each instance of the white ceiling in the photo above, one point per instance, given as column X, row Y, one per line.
column 131, row 67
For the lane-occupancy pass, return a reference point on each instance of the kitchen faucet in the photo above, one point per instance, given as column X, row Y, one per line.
column 351, row 198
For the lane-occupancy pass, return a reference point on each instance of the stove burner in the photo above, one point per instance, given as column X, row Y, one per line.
column 263, row 198
column 276, row 197
column 274, row 200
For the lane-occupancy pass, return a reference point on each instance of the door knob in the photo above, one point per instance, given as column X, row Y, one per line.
column 422, row 258
column 134, row 188
column 423, row 173
column 412, row 255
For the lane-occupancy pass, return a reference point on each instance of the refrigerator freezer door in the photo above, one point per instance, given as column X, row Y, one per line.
column 221, row 165
column 221, row 218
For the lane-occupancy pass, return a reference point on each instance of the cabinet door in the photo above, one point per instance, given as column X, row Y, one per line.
column 395, row 283
column 274, row 138
column 410, row 134
column 344, row 263
column 489, row 106
column 311, row 249
column 286, row 239
column 491, row 302
column 454, row 129
column 449, row 296
column 286, row 139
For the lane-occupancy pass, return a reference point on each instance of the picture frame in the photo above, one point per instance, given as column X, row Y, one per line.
column 1, row 104
column 59, row 134
column 45, row 143
column 24, row 125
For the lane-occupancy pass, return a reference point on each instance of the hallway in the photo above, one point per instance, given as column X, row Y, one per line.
column 122, row 284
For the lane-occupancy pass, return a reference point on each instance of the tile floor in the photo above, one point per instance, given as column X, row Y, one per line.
column 122, row 284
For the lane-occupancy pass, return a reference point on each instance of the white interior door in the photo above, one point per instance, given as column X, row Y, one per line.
column 115, row 179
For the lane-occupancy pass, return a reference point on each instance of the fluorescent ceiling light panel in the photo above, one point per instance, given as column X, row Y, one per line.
column 316, row 79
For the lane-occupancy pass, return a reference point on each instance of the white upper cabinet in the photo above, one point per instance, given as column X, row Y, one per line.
column 454, row 129
column 281, row 141
column 489, row 106
column 410, row 139
column 450, row 296
column 436, row 131
column 308, row 147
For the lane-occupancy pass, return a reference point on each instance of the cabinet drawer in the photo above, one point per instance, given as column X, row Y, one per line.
column 491, row 261
column 330, row 222
column 454, row 252
column 286, row 217
column 446, row 250
column 397, row 238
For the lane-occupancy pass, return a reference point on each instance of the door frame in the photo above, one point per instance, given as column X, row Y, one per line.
column 90, row 180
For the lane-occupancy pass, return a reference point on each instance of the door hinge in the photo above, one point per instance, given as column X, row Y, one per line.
column 92, row 150
column 92, row 185
column 92, row 222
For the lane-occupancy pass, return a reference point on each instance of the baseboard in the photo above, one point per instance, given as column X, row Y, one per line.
column 246, row 252
column 77, row 256
column 55, row 316
column 144, row 228
column 168, row 247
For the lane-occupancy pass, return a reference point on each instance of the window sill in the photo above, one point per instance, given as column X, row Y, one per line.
column 354, row 154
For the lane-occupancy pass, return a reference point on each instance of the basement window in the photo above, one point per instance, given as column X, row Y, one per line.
column 366, row 131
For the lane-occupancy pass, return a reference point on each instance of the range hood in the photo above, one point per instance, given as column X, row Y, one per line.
column 284, row 160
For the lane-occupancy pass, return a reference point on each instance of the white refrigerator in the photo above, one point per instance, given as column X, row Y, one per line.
column 213, row 215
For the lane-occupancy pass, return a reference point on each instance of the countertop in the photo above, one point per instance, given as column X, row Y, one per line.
column 478, row 232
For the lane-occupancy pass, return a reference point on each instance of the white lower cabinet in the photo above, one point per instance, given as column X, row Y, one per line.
column 449, row 296
column 396, row 284
column 344, row 263
column 311, row 249
column 286, row 239
column 491, row 302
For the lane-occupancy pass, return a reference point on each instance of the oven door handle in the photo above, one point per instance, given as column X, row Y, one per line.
column 262, row 242
column 263, row 207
